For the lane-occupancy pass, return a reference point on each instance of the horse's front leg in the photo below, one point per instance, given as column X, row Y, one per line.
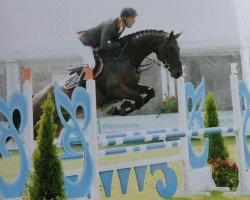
column 149, row 92
column 123, row 92
column 145, row 92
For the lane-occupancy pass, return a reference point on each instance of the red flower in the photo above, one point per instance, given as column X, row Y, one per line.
column 212, row 161
column 217, row 165
column 234, row 167
column 225, row 163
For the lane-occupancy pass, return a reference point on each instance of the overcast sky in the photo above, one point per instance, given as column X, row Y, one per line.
column 35, row 26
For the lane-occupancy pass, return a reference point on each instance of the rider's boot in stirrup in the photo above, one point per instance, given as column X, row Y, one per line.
column 81, row 82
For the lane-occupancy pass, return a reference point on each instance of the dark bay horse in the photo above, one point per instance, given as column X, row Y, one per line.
column 120, row 77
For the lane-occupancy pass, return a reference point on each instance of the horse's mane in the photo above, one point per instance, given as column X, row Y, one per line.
column 141, row 33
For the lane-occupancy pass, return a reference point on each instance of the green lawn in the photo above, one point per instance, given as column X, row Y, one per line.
column 9, row 168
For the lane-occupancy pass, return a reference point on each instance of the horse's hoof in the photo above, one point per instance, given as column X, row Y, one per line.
column 151, row 93
column 133, row 107
column 126, row 104
column 113, row 111
column 138, row 104
column 122, row 112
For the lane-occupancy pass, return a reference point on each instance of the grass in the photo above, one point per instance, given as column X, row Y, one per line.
column 150, row 192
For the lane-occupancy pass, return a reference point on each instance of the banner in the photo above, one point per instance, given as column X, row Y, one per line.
column 147, row 122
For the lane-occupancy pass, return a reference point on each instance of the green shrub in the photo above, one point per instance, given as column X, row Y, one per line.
column 225, row 173
column 46, row 182
column 170, row 105
column 217, row 148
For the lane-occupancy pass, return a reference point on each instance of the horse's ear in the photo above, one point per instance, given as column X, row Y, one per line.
column 171, row 36
column 178, row 34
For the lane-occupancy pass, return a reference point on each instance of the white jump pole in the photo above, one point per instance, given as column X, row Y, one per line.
column 183, row 125
column 29, row 131
column 191, row 184
column 164, row 83
column 171, row 82
column 237, row 118
column 92, row 132
column 12, row 77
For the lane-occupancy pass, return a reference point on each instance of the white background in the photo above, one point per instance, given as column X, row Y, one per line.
column 49, row 26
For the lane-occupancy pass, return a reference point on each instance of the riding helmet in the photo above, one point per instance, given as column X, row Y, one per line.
column 128, row 12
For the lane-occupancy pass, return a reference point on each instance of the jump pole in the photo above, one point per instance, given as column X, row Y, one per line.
column 92, row 133
column 185, row 188
column 29, row 130
column 244, row 184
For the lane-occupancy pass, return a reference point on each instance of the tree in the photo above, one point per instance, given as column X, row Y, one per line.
column 224, row 172
column 46, row 182
column 217, row 148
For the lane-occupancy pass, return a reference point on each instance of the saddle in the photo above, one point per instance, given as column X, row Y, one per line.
column 75, row 71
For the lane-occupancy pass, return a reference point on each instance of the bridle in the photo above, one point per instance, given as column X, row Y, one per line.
column 141, row 55
column 167, row 61
column 165, row 64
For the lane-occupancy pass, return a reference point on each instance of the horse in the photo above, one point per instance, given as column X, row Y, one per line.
column 121, row 73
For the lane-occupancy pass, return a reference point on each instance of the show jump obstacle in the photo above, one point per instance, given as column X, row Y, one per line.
column 197, row 177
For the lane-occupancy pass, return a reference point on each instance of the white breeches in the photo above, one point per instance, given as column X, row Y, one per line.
column 87, row 54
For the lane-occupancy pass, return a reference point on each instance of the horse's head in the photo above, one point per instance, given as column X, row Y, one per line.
column 169, row 54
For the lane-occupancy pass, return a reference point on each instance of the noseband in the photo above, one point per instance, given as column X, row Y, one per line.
column 167, row 66
column 167, row 61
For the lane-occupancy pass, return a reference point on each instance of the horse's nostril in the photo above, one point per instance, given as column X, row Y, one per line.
column 178, row 74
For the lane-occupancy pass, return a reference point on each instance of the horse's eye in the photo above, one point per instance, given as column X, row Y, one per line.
column 172, row 48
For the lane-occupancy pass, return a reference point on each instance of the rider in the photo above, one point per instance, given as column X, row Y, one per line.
column 104, row 36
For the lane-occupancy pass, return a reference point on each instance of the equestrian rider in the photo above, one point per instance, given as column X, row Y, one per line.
column 105, row 36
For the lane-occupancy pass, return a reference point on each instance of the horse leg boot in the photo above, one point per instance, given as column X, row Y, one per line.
column 128, row 107
column 145, row 90
column 149, row 95
column 113, row 111
column 124, row 109
column 126, row 104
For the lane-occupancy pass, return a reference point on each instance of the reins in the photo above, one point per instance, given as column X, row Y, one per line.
column 138, row 71
column 149, row 65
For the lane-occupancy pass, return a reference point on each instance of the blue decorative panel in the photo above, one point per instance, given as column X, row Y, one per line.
column 107, row 181
column 140, row 176
column 170, row 187
column 79, row 98
column 18, row 102
column 245, row 94
column 123, row 177
column 195, row 115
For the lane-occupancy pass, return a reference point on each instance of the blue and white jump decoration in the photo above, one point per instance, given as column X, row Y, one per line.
column 15, row 188
column 245, row 103
column 85, row 183
column 196, row 96
column 80, row 98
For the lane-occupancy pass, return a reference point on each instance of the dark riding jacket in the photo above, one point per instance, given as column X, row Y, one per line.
column 105, row 35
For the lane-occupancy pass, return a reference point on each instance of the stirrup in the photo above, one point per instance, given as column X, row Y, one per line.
column 81, row 82
column 76, row 69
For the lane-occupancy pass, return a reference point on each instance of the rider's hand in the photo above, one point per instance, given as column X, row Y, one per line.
column 80, row 34
column 113, row 45
column 122, row 42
